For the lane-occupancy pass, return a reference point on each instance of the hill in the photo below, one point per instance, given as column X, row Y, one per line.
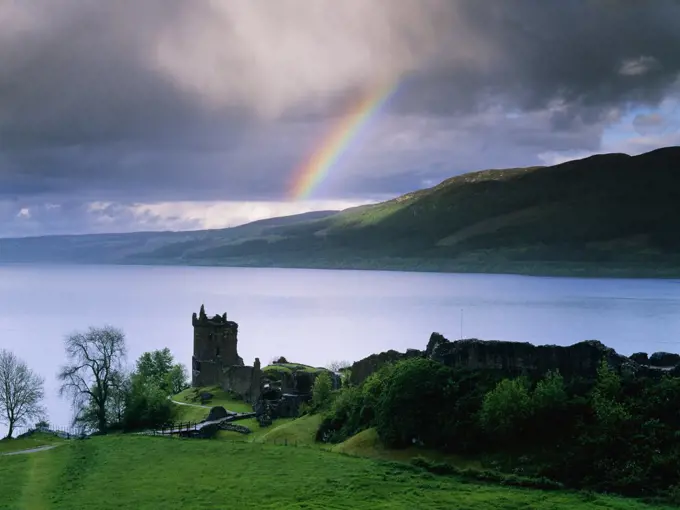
column 608, row 215
column 150, row 472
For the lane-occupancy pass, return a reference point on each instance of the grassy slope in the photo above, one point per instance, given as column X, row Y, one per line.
column 294, row 431
column 612, row 214
column 146, row 472
column 607, row 215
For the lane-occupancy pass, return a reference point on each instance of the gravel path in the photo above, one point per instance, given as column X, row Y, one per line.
column 32, row 450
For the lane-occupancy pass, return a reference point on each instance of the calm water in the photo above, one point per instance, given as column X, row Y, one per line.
column 319, row 316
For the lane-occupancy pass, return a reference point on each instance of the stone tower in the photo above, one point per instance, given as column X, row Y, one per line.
column 215, row 347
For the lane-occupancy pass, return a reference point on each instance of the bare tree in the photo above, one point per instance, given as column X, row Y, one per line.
column 337, row 366
column 21, row 392
column 91, row 376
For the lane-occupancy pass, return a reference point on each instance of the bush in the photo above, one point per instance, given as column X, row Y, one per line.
column 147, row 407
column 414, row 405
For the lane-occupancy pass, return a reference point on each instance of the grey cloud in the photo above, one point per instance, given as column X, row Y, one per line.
column 174, row 100
column 638, row 66
column 34, row 218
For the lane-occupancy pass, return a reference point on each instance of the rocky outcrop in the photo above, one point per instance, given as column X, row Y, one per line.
column 361, row 369
column 217, row 413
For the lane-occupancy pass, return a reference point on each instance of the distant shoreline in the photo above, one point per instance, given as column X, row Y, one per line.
column 535, row 269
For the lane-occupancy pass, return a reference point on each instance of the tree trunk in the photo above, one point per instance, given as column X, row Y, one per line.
column 11, row 429
column 101, row 417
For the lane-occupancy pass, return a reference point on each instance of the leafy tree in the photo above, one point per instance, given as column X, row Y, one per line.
column 159, row 367
column 21, row 392
column 146, row 405
column 550, row 393
column 321, row 390
column 413, row 404
column 506, row 408
column 609, row 410
column 176, row 380
column 91, row 376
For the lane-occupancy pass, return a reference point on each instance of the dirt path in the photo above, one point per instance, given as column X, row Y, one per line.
column 32, row 450
column 187, row 403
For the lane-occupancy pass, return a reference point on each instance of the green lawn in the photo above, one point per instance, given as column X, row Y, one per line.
column 139, row 472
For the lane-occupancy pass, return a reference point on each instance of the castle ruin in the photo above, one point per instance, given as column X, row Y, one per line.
column 216, row 361
column 215, row 348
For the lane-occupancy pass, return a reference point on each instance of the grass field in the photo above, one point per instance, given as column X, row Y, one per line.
column 150, row 472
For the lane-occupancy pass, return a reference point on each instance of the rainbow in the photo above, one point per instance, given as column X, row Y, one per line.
column 337, row 142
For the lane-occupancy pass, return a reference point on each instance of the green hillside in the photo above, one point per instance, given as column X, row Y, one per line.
column 610, row 214
column 141, row 472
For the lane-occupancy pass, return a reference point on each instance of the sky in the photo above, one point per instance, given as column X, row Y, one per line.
column 167, row 114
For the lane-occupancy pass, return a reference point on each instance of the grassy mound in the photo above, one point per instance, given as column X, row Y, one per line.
column 295, row 432
column 367, row 444
column 151, row 472
column 190, row 409
column 26, row 443
column 257, row 432
column 277, row 369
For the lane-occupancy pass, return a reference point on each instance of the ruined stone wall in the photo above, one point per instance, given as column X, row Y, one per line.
column 238, row 379
column 361, row 369
column 205, row 373
column 580, row 359
column 256, row 381
column 511, row 358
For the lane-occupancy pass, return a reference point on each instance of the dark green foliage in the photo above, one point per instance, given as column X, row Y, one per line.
column 506, row 409
column 612, row 433
column 147, row 405
column 413, row 404
column 145, row 395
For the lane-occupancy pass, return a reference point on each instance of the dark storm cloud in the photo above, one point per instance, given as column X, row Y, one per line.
column 174, row 100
